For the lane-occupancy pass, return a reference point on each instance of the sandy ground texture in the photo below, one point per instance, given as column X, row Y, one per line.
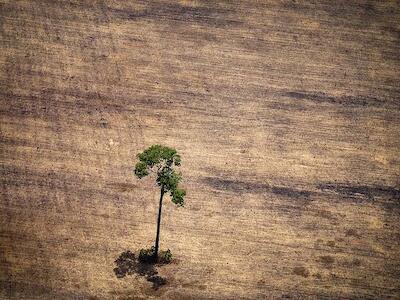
column 287, row 118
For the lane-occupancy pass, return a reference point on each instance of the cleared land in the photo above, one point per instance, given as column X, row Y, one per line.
column 287, row 117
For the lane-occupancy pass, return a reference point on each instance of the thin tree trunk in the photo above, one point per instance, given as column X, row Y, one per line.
column 158, row 224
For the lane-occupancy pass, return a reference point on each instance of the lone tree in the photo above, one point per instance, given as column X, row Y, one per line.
column 161, row 160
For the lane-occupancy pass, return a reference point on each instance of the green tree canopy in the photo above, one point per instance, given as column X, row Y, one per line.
column 161, row 160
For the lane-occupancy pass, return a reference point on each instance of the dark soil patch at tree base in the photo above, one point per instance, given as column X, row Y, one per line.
column 128, row 264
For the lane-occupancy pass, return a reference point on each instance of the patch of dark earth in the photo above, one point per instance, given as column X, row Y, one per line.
column 128, row 264
column 348, row 100
column 387, row 196
column 391, row 195
column 233, row 185
column 239, row 186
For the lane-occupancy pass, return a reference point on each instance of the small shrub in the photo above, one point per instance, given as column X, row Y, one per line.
column 147, row 255
column 165, row 257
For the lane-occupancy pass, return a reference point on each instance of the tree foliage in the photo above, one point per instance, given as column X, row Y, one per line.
column 161, row 160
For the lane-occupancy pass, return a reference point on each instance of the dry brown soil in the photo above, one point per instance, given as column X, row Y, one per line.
column 287, row 117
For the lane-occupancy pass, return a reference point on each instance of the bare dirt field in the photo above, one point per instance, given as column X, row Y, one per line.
column 287, row 118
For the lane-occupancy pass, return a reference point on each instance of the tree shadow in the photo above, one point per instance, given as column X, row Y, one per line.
column 128, row 264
